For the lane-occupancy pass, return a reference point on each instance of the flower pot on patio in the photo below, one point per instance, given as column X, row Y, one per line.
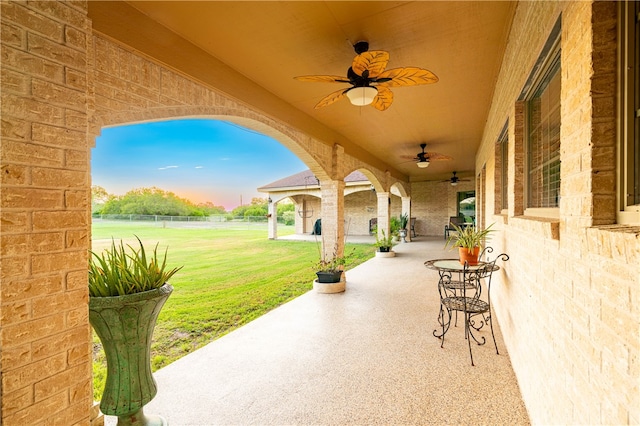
column 125, row 326
column 329, row 276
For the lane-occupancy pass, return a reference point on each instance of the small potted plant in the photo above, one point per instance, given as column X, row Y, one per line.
column 469, row 241
column 404, row 221
column 127, row 289
column 383, row 245
column 329, row 270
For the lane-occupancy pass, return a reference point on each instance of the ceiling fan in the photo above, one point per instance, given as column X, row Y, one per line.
column 455, row 179
column 423, row 158
column 369, row 81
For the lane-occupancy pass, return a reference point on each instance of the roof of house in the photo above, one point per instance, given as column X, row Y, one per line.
column 307, row 178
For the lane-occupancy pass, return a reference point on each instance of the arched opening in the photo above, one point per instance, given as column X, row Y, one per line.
column 154, row 160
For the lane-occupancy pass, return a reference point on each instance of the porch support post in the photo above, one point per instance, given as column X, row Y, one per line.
column 332, row 214
column 406, row 209
column 384, row 213
column 272, row 220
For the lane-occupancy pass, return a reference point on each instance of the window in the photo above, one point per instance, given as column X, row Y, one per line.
column 467, row 206
column 629, row 111
column 503, row 144
column 543, row 137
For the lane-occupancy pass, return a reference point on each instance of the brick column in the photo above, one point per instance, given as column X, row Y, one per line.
column 45, row 214
column 332, row 214
column 384, row 213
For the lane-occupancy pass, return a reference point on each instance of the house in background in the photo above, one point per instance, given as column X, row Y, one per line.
column 361, row 203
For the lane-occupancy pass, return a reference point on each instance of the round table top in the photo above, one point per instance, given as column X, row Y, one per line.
column 454, row 265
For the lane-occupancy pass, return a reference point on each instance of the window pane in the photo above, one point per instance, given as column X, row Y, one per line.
column 504, row 154
column 544, row 141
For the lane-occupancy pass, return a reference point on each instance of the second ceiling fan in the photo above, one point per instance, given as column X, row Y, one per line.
column 369, row 80
column 424, row 158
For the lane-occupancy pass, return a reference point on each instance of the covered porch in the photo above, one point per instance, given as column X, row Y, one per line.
column 365, row 356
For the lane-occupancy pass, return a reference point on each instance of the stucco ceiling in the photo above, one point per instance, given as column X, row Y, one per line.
column 255, row 49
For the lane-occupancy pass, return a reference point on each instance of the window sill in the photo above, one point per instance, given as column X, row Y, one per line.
column 549, row 228
column 615, row 241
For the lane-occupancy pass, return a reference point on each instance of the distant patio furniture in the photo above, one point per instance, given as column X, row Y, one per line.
column 373, row 223
column 413, row 227
column 317, row 228
column 457, row 221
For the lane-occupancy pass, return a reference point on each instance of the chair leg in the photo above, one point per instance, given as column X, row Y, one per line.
column 467, row 333
column 490, row 319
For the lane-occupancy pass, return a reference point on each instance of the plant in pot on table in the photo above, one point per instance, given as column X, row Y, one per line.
column 469, row 241
column 127, row 289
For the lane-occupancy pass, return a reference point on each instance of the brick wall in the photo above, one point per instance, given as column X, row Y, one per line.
column 45, row 336
column 567, row 300
column 427, row 207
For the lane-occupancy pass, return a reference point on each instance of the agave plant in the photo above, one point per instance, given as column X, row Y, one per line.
column 124, row 270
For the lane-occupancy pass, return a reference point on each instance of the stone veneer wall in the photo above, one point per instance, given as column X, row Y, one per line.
column 568, row 300
column 45, row 337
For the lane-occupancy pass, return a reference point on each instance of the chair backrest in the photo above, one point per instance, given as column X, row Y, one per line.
column 456, row 220
column 486, row 271
column 413, row 222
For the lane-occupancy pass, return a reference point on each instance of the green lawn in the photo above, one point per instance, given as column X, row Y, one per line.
column 229, row 278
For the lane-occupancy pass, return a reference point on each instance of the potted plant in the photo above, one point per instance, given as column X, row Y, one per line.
column 384, row 245
column 394, row 229
column 329, row 270
column 127, row 289
column 469, row 241
column 404, row 221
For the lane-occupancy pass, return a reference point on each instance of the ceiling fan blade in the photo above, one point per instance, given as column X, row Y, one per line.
column 331, row 98
column 322, row 79
column 383, row 99
column 409, row 76
column 434, row 156
column 374, row 61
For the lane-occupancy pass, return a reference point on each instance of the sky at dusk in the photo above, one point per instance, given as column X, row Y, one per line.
column 198, row 159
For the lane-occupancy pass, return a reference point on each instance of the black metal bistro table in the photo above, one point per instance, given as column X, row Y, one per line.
column 461, row 287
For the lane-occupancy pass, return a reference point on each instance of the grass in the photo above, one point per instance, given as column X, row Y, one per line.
column 229, row 278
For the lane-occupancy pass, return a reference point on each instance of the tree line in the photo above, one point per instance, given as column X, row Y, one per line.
column 156, row 201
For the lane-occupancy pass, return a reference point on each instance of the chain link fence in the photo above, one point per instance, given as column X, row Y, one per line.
column 214, row 221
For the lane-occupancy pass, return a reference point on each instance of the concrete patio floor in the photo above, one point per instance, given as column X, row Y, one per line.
column 365, row 356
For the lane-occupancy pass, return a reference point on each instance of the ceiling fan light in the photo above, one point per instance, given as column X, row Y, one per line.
column 454, row 183
column 361, row 96
column 423, row 164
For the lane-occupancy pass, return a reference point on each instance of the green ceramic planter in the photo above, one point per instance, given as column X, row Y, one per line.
column 125, row 326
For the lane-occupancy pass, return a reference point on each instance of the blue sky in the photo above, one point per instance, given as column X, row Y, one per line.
column 198, row 159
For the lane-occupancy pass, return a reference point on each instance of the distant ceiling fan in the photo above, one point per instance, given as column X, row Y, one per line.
column 423, row 158
column 369, row 81
column 455, row 179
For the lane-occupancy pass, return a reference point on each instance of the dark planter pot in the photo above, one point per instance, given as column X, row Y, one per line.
column 384, row 249
column 125, row 326
column 329, row 277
